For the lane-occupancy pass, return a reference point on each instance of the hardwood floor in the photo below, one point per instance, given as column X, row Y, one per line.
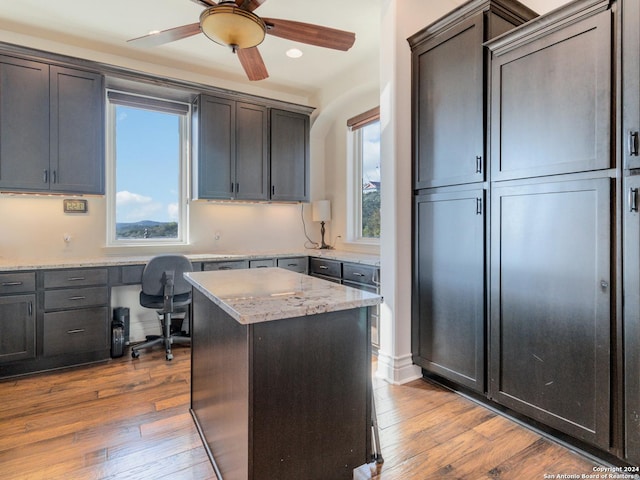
column 130, row 419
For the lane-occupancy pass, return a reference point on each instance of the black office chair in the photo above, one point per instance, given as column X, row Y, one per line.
column 164, row 289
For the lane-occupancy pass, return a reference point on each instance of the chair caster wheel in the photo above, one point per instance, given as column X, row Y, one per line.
column 169, row 356
column 135, row 354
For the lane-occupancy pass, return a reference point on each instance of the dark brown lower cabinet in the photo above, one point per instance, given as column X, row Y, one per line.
column 550, row 303
column 449, row 270
column 631, row 327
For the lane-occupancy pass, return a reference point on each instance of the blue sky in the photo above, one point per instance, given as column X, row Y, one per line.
column 147, row 174
column 371, row 152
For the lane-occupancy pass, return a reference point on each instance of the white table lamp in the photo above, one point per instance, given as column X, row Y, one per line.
column 321, row 212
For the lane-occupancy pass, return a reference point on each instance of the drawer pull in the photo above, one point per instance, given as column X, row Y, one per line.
column 79, row 297
column 358, row 274
column 11, row 284
column 75, row 279
column 292, row 264
column 225, row 268
column 75, row 330
column 323, row 267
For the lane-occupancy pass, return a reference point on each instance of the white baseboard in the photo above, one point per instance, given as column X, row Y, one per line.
column 397, row 370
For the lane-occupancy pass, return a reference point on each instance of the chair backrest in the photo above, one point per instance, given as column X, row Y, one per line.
column 153, row 274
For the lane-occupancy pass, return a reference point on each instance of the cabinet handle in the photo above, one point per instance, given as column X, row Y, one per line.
column 478, row 164
column 45, row 176
column 478, row 206
column 78, row 297
column 225, row 268
column 292, row 264
column 358, row 274
column 323, row 267
column 11, row 284
column 632, row 144
column 237, row 188
column 232, row 187
column 54, row 177
column 633, row 199
column 75, row 330
column 273, row 190
column 75, row 279
column 30, row 309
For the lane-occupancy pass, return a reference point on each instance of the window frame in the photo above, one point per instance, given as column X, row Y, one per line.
column 354, row 176
column 114, row 98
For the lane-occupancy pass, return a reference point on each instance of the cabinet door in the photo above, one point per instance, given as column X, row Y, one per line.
column 631, row 82
column 448, row 107
column 448, row 297
column 550, row 304
column 551, row 103
column 631, row 328
column 289, row 156
column 252, row 166
column 214, row 125
column 24, row 125
column 17, row 328
column 77, row 131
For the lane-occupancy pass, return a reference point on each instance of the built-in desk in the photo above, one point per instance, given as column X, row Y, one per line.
column 281, row 374
column 57, row 313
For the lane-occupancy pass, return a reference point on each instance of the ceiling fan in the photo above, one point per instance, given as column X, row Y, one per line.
column 232, row 23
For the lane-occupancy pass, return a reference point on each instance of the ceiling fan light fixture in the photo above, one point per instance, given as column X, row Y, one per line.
column 231, row 26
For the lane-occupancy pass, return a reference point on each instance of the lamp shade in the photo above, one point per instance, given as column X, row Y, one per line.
column 231, row 26
column 321, row 211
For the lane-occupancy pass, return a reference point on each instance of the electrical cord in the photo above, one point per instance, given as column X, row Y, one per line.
column 304, row 227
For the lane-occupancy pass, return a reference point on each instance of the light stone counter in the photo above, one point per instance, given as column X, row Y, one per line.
column 17, row 264
column 260, row 295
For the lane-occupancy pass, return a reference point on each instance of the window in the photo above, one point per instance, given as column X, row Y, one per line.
column 147, row 141
column 364, row 174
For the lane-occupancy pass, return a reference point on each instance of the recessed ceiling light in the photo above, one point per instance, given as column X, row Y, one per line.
column 294, row 53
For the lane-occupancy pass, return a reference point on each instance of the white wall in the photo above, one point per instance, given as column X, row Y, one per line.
column 34, row 228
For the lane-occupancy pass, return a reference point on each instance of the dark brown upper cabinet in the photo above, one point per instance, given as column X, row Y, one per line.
column 245, row 151
column 51, row 128
column 631, row 82
column 449, row 78
column 552, row 95
column 289, row 156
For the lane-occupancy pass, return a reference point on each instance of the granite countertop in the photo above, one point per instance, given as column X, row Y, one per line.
column 261, row 295
column 16, row 264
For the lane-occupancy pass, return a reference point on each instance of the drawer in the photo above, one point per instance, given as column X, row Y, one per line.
column 132, row 274
column 75, row 297
column 76, row 331
column 76, row 277
column 296, row 264
column 18, row 282
column 267, row 262
column 233, row 265
column 329, row 268
column 365, row 274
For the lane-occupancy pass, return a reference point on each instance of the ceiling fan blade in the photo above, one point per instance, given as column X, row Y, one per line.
column 205, row 3
column 249, row 5
column 252, row 63
column 311, row 34
column 166, row 36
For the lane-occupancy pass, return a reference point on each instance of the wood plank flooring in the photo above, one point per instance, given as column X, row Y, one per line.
column 130, row 419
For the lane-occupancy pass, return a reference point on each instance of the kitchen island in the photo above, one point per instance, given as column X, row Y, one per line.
column 281, row 374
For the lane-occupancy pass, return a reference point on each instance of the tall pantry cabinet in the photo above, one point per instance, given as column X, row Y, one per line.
column 552, row 223
column 630, row 11
column 530, row 294
column 450, row 79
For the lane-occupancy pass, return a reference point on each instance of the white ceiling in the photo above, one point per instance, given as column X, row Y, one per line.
column 103, row 26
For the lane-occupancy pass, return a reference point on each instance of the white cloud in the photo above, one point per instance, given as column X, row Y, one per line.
column 133, row 207
column 173, row 210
